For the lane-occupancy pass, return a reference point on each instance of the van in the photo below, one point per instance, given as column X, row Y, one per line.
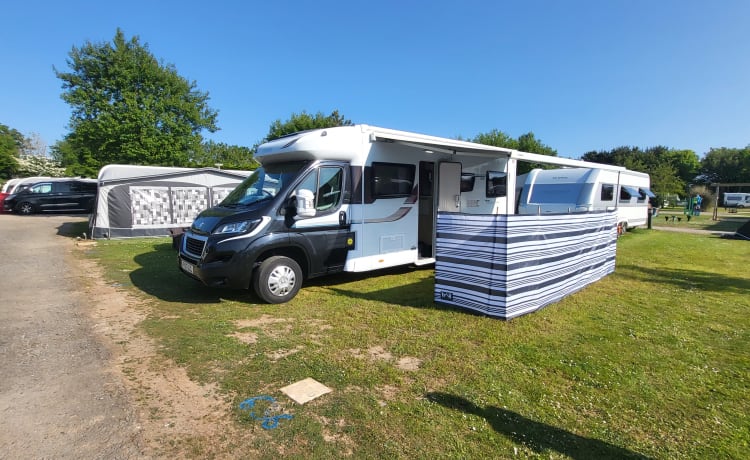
column 737, row 200
column 348, row 199
column 53, row 195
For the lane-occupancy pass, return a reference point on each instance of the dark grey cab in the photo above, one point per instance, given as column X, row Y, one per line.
column 54, row 195
column 262, row 238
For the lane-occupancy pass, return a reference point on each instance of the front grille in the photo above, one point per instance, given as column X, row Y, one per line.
column 194, row 246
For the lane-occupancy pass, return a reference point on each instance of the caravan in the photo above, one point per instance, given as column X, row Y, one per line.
column 569, row 190
column 353, row 199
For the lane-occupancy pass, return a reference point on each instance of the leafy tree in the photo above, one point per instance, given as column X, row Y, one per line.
column 229, row 156
column 670, row 169
column 496, row 138
column 303, row 122
column 37, row 165
column 129, row 108
column 11, row 142
column 525, row 143
column 726, row 165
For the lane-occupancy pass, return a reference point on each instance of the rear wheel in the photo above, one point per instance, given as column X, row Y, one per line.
column 25, row 208
column 277, row 279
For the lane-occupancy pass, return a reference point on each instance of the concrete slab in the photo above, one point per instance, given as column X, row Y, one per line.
column 305, row 390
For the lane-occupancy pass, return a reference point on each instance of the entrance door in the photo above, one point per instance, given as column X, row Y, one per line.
column 426, row 223
column 449, row 187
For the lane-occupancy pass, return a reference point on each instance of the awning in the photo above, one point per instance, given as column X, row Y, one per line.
column 647, row 192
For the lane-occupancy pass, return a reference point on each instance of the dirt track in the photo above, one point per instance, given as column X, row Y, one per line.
column 59, row 396
column 80, row 380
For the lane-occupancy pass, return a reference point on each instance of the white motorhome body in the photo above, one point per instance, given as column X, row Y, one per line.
column 569, row 190
column 374, row 195
column 737, row 200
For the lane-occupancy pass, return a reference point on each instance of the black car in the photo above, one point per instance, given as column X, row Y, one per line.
column 56, row 195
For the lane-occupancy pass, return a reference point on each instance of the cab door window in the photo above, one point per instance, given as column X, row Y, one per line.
column 326, row 184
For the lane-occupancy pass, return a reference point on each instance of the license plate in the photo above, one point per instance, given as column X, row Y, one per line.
column 187, row 266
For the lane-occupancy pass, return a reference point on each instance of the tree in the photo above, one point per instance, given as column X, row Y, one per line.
column 228, row 156
column 303, row 122
column 726, row 165
column 525, row 143
column 11, row 142
column 129, row 108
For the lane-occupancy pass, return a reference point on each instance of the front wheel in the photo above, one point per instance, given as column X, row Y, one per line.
column 25, row 208
column 277, row 279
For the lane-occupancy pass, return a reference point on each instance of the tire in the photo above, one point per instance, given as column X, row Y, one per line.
column 25, row 208
column 277, row 279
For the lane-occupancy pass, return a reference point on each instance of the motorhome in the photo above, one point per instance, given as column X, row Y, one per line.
column 568, row 190
column 353, row 198
column 737, row 200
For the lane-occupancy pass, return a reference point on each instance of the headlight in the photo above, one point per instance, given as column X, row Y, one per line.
column 236, row 227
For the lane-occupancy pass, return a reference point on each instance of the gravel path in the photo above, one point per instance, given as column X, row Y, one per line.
column 59, row 397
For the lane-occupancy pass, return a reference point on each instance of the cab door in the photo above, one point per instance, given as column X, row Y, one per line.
column 326, row 236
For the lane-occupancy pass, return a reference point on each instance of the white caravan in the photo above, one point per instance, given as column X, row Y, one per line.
column 568, row 190
column 352, row 198
column 737, row 200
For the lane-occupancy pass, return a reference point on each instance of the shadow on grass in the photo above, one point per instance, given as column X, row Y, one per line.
column 72, row 229
column 686, row 279
column 537, row 436
column 159, row 276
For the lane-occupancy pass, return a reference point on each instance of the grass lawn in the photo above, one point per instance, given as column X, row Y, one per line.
column 651, row 362
column 727, row 222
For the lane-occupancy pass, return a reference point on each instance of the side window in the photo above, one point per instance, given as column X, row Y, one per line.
column 42, row 188
column 62, row 187
column 326, row 183
column 608, row 192
column 392, row 180
column 496, row 184
column 467, row 182
column 626, row 193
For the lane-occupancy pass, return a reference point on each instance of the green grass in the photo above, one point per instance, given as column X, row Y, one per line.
column 651, row 361
column 726, row 221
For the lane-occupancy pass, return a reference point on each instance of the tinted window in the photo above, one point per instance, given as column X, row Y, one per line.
column 496, row 184
column 554, row 193
column 608, row 192
column 392, row 180
column 83, row 187
column 61, row 187
column 41, row 188
column 467, row 182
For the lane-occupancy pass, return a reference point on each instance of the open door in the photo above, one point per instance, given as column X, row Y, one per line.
column 449, row 187
column 426, row 223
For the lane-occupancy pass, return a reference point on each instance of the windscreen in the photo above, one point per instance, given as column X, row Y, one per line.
column 264, row 183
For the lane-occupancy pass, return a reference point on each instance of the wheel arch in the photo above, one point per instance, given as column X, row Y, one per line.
column 295, row 253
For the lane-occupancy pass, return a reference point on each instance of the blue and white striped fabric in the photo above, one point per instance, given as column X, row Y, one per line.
column 509, row 265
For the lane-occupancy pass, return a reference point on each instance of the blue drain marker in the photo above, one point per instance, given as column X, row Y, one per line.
column 269, row 421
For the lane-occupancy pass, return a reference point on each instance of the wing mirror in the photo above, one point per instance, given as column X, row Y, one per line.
column 305, row 204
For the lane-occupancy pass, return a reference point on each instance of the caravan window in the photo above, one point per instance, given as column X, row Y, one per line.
column 496, row 184
column 627, row 192
column 467, row 182
column 392, row 180
column 608, row 192
column 554, row 193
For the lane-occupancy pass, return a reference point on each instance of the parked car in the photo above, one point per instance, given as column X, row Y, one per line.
column 53, row 195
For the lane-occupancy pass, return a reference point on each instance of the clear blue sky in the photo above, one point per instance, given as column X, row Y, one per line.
column 582, row 75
